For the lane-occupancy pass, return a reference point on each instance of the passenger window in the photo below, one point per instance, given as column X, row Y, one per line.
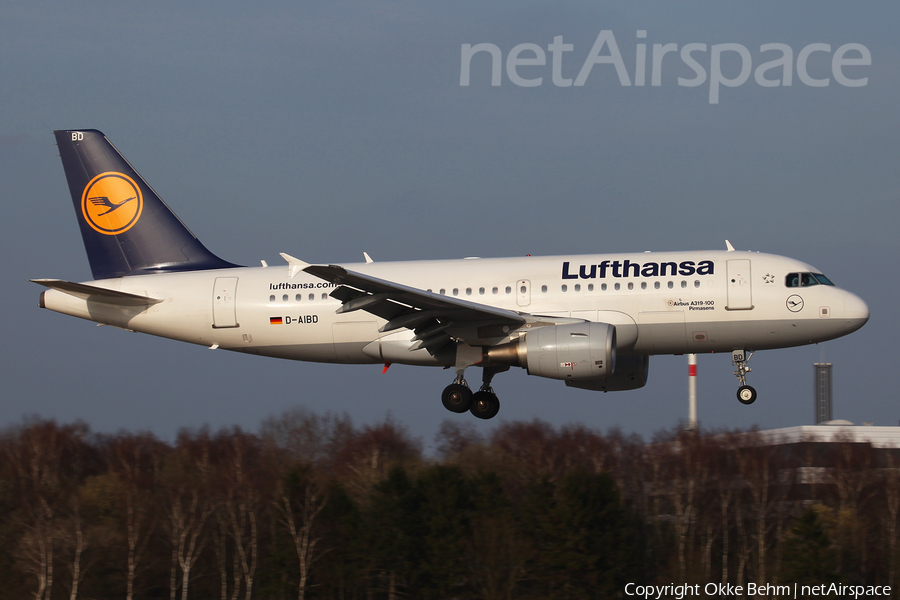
column 312, row 297
column 284, row 298
column 544, row 289
column 643, row 285
column 565, row 288
column 272, row 298
column 630, row 285
column 508, row 290
column 618, row 287
column 456, row 291
column 590, row 287
column 603, row 287
column 655, row 285
column 577, row 287
column 324, row 296
column 443, row 292
column 468, row 291
column 298, row 298
column 481, row 291
column 696, row 283
column 683, row 284
column 671, row 285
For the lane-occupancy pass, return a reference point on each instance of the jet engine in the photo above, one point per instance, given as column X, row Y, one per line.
column 573, row 352
column 631, row 374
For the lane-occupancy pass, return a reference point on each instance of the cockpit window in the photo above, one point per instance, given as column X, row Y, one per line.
column 805, row 280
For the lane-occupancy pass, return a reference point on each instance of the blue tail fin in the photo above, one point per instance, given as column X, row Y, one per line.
column 127, row 229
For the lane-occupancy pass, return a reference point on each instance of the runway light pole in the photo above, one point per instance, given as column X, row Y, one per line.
column 692, row 392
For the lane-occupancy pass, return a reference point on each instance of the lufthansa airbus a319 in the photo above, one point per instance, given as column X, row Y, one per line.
column 592, row 321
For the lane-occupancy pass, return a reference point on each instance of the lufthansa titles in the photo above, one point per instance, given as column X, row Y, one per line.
column 627, row 268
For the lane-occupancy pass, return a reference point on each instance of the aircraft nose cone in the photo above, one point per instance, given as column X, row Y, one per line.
column 856, row 312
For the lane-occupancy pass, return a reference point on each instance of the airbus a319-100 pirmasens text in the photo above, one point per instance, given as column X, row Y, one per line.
column 592, row 321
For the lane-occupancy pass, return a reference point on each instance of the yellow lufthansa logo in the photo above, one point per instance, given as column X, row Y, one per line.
column 112, row 203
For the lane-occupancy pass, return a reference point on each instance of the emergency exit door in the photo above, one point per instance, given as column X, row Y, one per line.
column 523, row 292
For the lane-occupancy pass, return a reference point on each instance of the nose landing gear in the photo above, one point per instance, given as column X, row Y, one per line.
column 745, row 394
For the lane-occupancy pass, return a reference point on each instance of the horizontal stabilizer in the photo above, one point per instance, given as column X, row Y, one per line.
column 97, row 294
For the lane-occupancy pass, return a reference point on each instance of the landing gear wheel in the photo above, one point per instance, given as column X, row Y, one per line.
column 746, row 394
column 457, row 397
column 485, row 405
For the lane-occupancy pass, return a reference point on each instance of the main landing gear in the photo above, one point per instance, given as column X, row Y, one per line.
column 458, row 397
column 745, row 394
column 485, row 404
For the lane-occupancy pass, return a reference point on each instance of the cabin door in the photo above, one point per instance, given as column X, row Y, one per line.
column 740, row 296
column 223, row 302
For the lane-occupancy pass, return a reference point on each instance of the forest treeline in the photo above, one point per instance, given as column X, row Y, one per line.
column 313, row 507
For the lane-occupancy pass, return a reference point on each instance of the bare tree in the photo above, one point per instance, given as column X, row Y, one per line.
column 33, row 553
column 185, row 479
column 46, row 463
column 727, row 492
column 135, row 462
column 241, row 474
column 362, row 458
column 768, row 481
column 300, row 500
column 528, row 447
column 454, row 437
column 304, row 436
column 686, row 468
column 73, row 537
column 853, row 477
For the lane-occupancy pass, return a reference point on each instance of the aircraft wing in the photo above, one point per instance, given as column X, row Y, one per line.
column 436, row 319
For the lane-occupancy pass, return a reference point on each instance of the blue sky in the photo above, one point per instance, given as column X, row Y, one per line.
column 328, row 129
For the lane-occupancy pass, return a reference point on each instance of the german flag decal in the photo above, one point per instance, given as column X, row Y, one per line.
column 275, row 321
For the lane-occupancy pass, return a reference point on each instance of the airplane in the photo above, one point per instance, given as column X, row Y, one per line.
column 592, row 321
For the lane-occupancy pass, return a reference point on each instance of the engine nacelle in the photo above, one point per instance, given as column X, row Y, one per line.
column 631, row 374
column 572, row 352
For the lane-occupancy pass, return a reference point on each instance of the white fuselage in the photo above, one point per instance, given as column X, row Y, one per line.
column 660, row 303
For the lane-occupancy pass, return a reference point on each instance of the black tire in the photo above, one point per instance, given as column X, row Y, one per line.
column 457, row 398
column 746, row 394
column 485, row 405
